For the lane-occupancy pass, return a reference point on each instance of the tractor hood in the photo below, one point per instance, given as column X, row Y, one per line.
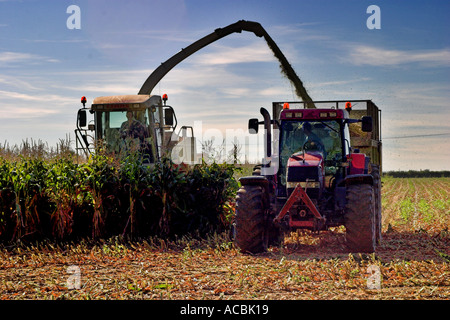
column 307, row 170
column 311, row 159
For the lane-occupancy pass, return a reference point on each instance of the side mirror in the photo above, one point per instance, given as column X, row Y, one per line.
column 82, row 118
column 253, row 126
column 366, row 125
column 168, row 117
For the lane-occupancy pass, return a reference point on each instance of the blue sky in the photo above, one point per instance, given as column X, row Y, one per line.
column 404, row 67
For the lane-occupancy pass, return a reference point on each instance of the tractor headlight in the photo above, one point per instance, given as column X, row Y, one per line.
column 307, row 185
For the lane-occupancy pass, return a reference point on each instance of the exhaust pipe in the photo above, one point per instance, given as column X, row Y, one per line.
column 268, row 128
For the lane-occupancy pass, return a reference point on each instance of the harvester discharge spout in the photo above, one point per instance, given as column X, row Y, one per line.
column 238, row 27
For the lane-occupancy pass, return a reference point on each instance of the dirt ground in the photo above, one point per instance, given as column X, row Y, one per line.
column 307, row 266
column 412, row 261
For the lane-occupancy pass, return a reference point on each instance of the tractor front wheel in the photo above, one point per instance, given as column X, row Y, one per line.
column 250, row 221
column 360, row 218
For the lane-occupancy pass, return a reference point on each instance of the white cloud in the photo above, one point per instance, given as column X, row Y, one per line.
column 368, row 55
column 299, row 32
column 96, row 82
column 207, row 76
column 273, row 91
column 16, row 82
column 13, row 112
column 430, row 98
column 337, row 82
column 108, row 74
column 15, row 56
column 236, row 92
column 56, row 41
column 101, row 88
column 45, row 98
column 255, row 52
column 9, row 57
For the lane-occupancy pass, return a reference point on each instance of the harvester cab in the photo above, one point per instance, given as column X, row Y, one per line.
column 324, row 171
column 128, row 124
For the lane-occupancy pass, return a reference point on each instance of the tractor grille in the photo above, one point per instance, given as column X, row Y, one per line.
column 301, row 175
column 298, row 174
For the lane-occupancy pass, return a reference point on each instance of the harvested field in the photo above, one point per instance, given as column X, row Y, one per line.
column 412, row 262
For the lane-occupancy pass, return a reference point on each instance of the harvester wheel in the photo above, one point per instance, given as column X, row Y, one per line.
column 360, row 218
column 250, row 229
column 375, row 172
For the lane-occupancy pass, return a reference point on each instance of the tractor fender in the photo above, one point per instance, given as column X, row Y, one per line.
column 357, row 179
column 254, row 180
column 257, row 181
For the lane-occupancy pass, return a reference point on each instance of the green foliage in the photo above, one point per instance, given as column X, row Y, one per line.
column 406, row 209
column 23, row 185
column 58, row 199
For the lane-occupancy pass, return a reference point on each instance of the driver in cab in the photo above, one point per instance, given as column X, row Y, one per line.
column 312, row 141
column 133, row 128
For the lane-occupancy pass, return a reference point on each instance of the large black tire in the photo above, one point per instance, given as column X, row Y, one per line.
column 375, row 172
column 360, row 218
column 250, row 221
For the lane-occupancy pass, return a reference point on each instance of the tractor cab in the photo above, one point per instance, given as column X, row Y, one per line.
column 126, row 124
column 313, row 144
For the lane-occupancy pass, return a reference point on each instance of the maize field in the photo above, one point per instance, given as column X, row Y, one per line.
column 132, row 232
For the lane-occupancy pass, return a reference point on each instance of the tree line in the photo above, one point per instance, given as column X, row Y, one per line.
column 417, row 174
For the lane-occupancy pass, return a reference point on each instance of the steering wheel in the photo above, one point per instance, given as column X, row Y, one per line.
column 311, row 145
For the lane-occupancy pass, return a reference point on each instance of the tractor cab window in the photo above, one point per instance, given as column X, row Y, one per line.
column 323, row 136
column 303, row 136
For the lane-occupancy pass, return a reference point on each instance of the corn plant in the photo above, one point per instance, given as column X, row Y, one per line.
column 7, row 201
column 64, row 190
column 134, row 180
column 211, row 188
column 104, row 197
column 167, row 182
column 101, row 180
column 24, row 182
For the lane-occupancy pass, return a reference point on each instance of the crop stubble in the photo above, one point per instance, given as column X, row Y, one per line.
column 412, row 259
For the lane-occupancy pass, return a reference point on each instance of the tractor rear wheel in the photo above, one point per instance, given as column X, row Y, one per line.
column 360, row 218
column 375, row 172
column 250, row 221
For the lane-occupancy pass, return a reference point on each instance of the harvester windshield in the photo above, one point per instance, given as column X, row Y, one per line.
column 124, row 130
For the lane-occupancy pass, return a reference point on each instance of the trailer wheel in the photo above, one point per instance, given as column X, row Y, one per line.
column 250, row 228
column 375, row 172
column 360, row 218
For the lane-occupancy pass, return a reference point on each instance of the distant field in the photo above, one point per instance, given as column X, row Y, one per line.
column 411, row 263
column 414, row 204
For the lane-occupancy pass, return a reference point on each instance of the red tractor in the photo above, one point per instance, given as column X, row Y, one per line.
column 317, row 177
